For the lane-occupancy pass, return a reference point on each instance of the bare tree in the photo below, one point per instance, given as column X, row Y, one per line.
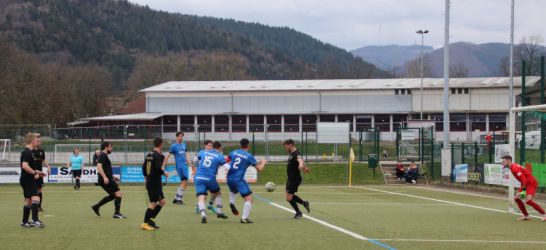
column 458, row 70
column 529, row 50
column 413, row 68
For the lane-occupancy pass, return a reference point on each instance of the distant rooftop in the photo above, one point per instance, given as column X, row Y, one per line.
column 342, row 84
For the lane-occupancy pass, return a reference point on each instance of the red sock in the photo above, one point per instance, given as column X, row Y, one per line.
column 522, row 207
column 535, row 206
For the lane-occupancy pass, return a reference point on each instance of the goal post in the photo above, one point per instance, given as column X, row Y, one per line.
column 512, row 141
column 5, row 149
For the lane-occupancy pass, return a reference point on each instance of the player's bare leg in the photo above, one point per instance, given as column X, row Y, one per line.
column 523, row 210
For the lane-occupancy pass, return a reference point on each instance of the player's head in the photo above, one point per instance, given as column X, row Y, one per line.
column 76, row 151
column 32, row 140
column 244, row 143
column 179, row 136
column 106, row 146
column 217, row 146
column 39, row 142
column 507, row 160
column 158, row 142
column 97, row 151
column 207, row 144
column 289, row 145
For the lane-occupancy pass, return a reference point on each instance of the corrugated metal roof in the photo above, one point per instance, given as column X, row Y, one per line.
column 128, row 117
column 346, row 84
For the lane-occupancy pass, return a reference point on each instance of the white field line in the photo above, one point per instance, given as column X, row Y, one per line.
column 470, row 241
column 381, row 204
column 442, row 201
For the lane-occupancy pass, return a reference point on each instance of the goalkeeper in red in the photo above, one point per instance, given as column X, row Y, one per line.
column 528, row 188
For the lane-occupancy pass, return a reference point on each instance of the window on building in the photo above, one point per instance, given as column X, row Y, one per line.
column 398, row 121
column 221, row 123
column 205, row 123
column 396, row 92
column 459, row 91
column 453, row 91
column 402, row 91
column 477, row 122
column 363, row 122
column 409, row 91
column 274, row 122
column 346, row 118
column 497, row 121
column 438, row 121
column 291, row 123
column 169, row 123
column 327, row 118
column 466, row 91
column 187, row 123
column 457, row 122
column 256, row 123
column 238, row 123
column 309, row 123
column 383, row 122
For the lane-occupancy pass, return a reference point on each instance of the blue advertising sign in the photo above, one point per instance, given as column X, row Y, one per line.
column 133, row 174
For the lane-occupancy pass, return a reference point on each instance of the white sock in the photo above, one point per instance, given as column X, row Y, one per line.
column 246, row 209
column 219, row 205
column 179, row 194
column 201, row 205
column 232, row 197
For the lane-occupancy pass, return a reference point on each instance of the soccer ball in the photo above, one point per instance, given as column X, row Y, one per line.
column 270, row 187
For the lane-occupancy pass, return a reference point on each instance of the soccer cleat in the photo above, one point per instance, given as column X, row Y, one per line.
column 234, row 209
column 246, row 221
column 203, row 220
column 178, row 202
column 221, row 216
column 543, row 219
column 38, row 224
column 307, row 207
column 147, row 227
column 212, row 209
column 26, row 225
column 298, row 215
column 524, row 218
column 96, row 210
column 152, row 223
column 40, row 209
column 119, row 216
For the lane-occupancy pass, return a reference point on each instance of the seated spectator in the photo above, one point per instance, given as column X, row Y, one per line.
column 400, row 171
column 412, row 174
column 385, row 154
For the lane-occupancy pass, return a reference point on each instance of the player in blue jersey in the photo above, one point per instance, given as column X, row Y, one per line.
column 207, row 145
column 205, row 179
column 179, row 149
column 240, row 160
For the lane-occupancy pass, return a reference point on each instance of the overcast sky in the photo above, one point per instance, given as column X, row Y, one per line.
column 350, row 24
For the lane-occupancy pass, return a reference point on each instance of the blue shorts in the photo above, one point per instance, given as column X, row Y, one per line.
column 239, row 186
column 202, row 185
column 183, row 172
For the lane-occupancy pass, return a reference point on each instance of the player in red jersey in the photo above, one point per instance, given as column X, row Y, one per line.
column 528, row 188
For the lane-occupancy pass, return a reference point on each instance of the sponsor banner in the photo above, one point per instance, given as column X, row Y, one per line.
column 133, row 174
column 10, row 174
column 89, row 174
column 475, row 174
column 500, row 151
column 496, row 174
column 460, row 171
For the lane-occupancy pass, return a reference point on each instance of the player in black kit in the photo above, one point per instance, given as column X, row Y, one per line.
column 108, row 182
column 28, row 178
column 39, row 161
column 293, row 168
column 153, row 171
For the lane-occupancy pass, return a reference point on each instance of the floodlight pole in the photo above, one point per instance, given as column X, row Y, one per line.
column 446, row 151
column 512, row 118
column 422, row 33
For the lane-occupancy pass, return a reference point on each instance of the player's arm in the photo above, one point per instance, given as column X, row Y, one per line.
column 302, row 166
column 261, row 165
column 166, row 159
column 101, row 172
column 523, row 180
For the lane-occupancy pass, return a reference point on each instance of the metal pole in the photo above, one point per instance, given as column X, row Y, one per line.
column 422, row 44
column 446, row 170
column 523, row 104
column 511, row 70
column 542, row 121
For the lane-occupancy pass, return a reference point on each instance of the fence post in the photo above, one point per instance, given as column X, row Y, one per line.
column 253, row 143
column 397, row 143
column 432, row 152
column 462, row 153
column 475, row 153
column 542, row 121
column 360, row 146
column 523, row 103
column 306, row 146
column 452, row 161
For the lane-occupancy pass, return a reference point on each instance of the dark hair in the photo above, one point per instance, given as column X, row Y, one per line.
column 217, row 145
column 157, row 142
column 288, row 142
column 104, row 145
column 507, row 157
column 244, row 143
column 179, row 133
column 206, row 142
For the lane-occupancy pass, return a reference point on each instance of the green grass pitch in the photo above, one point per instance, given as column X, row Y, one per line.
column 394, row 220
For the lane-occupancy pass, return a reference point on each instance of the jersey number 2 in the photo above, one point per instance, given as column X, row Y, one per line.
column 236, row 163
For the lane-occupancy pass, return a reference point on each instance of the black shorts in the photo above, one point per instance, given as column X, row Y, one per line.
column 40, row 182
column 292, row 185
column 111, row 188
column 77, row 173
column 155, row 194
column 29, row 188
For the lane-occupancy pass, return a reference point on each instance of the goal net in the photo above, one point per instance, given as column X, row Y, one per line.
column 525, row 134
column 64, row 151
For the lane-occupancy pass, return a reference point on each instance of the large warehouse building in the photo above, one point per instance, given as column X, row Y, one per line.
column 231, row 109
